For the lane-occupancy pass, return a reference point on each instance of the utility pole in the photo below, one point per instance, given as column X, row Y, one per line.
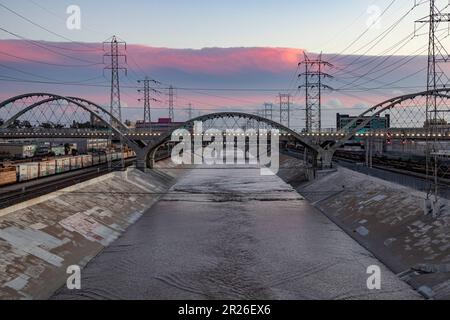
column 313, row 86
column 285, row 109
column 438, row 56
column 147, row 99
column 171, row 104
column 115, row 54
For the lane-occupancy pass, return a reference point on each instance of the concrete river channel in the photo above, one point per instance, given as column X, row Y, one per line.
column 232, row 233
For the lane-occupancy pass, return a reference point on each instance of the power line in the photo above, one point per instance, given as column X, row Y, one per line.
column 42, row 77
column 366, row 30
column 44, row 28
column 50, row 63
column 43, row 45
column 404, row 63
column 337, row 35
column 103, row 35
column 103, row 85
column 377, row 40
column 407, row 39
column 408, row 59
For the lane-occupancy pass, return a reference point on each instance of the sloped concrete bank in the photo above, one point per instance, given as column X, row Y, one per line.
column 42, row 237
column 389, row 220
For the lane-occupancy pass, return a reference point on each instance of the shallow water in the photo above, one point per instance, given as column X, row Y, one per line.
column 230, row 233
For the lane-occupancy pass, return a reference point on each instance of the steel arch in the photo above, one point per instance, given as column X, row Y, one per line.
column 380, row 108
column 79, row 102
column 218, row 115
column 83, row 103
column 149, row 150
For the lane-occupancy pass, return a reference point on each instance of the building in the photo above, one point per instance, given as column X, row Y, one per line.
column 55, row 145
column 47, row 149
column 18, row 150
column 436, row 123
column 163, row 125
column 342, row 120
column 130, row 124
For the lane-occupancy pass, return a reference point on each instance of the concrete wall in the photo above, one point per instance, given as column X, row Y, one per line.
column 40, row 238
column 389, row 220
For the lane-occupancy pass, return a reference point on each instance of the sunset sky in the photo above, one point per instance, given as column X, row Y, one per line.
column 227, row 55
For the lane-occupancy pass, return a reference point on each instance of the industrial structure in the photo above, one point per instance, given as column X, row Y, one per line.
column 343, row 120
column 313, row 76
column 285, row 109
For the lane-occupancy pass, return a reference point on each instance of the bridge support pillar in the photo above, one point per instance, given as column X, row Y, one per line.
column 145, row 159
column 141, row 160
column 142, row 155
column 325, row 159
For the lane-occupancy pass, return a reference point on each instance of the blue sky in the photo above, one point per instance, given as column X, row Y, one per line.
column 320, row 25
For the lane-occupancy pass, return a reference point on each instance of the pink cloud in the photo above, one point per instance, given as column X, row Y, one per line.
column 207, row 60
column 208, row 67
column 25, row 50
column 217, row 60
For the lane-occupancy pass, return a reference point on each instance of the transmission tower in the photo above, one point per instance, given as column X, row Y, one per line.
column 190, row 111
column 313, row 86
column 115, row 54
column 436, row 106
column 268, row 111
column 285, row 109
column 171, row 104
column 146, row 90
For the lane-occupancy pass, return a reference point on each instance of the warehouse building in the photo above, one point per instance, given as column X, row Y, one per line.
column 163, row 125
column 342, row 120
column 17, row 150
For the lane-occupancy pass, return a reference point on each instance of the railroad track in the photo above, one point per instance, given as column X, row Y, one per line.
column 21, row 194
column 444, row 182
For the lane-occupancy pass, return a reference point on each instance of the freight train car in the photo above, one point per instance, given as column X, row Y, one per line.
column 8, row 176
column 62, row 165
column 24, row 171
column 47, row 168
column 28, row 171
column 87, row 160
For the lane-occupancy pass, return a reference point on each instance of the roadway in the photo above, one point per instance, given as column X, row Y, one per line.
column 234, row 234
